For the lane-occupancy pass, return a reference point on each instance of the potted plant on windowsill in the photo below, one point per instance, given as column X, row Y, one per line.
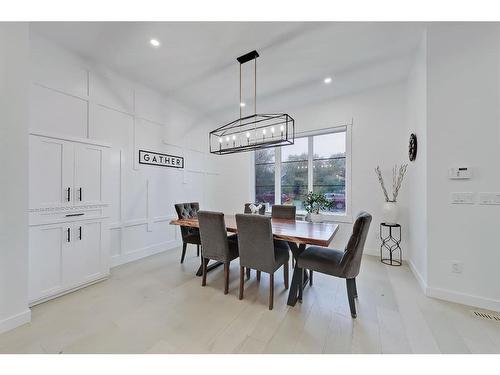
column 313, row 204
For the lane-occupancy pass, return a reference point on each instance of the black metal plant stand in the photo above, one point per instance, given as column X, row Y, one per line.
column 391, row 244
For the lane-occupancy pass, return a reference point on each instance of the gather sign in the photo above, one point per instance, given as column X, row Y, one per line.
column 162, row 160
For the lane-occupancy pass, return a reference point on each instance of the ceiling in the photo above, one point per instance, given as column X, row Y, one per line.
column 196, row 62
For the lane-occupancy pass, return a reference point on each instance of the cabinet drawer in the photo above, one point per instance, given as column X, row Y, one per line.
column 55, row 216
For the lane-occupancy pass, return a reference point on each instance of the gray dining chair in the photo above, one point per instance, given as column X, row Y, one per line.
column 257, row 250
column 283, row 211
column 216, row 245
column 344, row 264
column 262, row 210
column 286, row 212
column 189, row 235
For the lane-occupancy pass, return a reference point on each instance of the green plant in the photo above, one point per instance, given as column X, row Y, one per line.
column 314, row 202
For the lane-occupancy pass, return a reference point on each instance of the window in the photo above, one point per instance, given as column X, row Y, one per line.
column 317, row 161
column 329, row 168
column 264, row 176
column 294, row 176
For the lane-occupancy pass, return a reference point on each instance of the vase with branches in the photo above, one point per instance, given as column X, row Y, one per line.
column 390, row 207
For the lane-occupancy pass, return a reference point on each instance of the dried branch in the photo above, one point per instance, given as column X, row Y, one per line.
column 381, row 180
column 399, row 175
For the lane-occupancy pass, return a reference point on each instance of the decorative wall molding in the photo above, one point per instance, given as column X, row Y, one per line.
column 144, row 252
column 69, row 208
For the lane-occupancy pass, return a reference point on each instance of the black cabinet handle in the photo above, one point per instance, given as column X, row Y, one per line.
column 71, row 215
column 68, row 234
column 80, row 194
column 80, row 233
column 69, row 194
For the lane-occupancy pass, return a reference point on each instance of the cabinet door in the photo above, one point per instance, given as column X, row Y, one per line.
column 89, row 170
column 83, row 261
column 50, row 172
column 47, row 243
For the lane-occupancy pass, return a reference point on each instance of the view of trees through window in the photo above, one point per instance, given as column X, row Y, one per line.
column 264, row 176
column 329, row 168
column 325, row 154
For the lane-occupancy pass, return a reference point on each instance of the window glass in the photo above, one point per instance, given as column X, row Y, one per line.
column 294, row 166
column 264, row 176
column 329, row 169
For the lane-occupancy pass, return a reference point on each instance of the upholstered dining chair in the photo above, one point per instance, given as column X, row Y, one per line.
column 344, row 264
column 258, row 251
column 287, row 212
column 216, row 244
column 188, row 234
column 262, row 210
column 283, row 211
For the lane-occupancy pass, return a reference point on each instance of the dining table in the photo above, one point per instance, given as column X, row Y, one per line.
column 297, row 233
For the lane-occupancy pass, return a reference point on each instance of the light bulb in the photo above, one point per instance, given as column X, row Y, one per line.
column 220, row 140
column 282, row 128
column 263, row 131
column 227, row 139
column 272, row 130
column 234, row 137
column 248, row 134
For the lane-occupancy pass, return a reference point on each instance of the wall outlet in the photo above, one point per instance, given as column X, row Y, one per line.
column 456, row 266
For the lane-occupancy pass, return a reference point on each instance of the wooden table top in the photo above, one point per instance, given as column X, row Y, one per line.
column 301, row 232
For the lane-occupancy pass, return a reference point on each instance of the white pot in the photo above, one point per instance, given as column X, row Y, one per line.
column 390, row 212
column 316, row 218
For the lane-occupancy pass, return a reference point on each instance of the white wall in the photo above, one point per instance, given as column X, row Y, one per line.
column 463, row 128
column 75, row 97
column 14, row 48
column 417, row 171
column 379, row 137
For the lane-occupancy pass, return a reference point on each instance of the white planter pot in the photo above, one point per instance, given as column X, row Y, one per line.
column 316, row 218
column 390, row 212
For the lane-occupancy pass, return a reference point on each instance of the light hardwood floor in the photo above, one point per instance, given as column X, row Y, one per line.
column 156, row 305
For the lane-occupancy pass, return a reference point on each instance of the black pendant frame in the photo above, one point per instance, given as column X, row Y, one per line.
column 253, row 132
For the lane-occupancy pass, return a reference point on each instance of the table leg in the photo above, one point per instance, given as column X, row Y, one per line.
column 209, row 268
column 297, row 277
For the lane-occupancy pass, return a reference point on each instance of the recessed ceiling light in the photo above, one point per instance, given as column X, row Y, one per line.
column 155, row 42
column 328, row 80
column 242, row 104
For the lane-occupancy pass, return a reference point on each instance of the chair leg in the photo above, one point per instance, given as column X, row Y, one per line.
column 197, row 250
column 271, row 291
column 258, row 275
column 242, row 281
column 204, row 278
column 226, row 278
column 184, row 246
column 355, row 288
column 310, row 277
column 350, row 283
column 285, row 274
column 248, row 273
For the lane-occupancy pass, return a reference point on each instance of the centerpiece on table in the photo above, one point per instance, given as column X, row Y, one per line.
column 390, row 209
column 313, row 204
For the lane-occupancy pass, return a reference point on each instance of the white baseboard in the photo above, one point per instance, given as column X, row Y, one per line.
column 453, row 296
column 421, row 281
column 15, row 321
column 464, row 299
column 144, row 252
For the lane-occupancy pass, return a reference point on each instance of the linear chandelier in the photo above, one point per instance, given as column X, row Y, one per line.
column 255, row 131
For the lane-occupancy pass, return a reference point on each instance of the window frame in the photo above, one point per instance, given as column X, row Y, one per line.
column 326, row 216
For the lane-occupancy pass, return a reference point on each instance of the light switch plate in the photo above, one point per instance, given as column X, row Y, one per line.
column 489, row 198
column 462, row 198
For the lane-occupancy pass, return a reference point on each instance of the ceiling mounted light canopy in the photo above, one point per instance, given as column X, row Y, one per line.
column 253, row 132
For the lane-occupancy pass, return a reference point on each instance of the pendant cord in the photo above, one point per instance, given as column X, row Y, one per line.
column 239, row 104
column 255, row 88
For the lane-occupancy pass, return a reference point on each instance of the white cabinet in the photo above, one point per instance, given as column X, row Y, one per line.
column 51, row 172
column 65, row 172
column 69, row 235
column 66, row 256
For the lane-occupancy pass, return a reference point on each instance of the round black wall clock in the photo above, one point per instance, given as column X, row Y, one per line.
column 412, row 147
